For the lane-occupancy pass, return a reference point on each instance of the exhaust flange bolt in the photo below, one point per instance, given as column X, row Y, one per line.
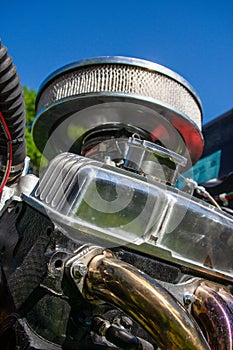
column 188, row 298
column 79, row 270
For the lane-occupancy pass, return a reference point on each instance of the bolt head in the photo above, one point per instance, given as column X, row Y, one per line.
column 79, row 270
column 189, row 298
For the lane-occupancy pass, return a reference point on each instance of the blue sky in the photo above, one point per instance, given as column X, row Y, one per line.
column 193, row 38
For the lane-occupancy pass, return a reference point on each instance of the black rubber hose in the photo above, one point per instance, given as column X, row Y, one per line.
column 12, row 108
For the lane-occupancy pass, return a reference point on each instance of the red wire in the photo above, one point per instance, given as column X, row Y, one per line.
column 230, row 196
column 10, row 152
column 227, row 197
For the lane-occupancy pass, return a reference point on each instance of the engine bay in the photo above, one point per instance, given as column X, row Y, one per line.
column 111, row 246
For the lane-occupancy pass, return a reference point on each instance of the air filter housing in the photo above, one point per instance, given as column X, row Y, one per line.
column 117, row 91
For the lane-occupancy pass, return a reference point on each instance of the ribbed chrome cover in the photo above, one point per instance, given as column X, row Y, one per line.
column 80, row 195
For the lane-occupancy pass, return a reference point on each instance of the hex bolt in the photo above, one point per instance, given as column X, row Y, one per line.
column 79, row 270
column 188, row 298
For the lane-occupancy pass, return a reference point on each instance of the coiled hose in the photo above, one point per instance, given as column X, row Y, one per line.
column 12, row 121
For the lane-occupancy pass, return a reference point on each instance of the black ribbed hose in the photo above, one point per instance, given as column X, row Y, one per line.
column 12, row 109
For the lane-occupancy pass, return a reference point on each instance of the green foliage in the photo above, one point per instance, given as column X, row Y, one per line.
column 32, row 151
column 29, row 98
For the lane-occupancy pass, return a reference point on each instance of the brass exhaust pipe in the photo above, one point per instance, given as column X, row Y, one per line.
column 141, row 297
column 213, row 312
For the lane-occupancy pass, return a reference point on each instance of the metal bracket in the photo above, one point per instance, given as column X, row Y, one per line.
column 77, row 266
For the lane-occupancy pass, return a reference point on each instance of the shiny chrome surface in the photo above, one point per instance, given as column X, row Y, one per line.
column 145, row 300
column 86, row 112
column 100, row 81
column 227, row 297
column 214, row 317
column 120, row 60
column 153, row 218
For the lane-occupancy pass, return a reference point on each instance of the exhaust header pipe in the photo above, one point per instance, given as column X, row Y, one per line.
column 141, row 297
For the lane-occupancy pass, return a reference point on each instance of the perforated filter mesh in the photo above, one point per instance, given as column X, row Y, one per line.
column 120, row 78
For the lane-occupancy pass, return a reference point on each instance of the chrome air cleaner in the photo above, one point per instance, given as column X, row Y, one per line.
column 112, row 91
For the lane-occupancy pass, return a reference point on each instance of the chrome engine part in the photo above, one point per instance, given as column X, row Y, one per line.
column 114, row 91
column 109, row 248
